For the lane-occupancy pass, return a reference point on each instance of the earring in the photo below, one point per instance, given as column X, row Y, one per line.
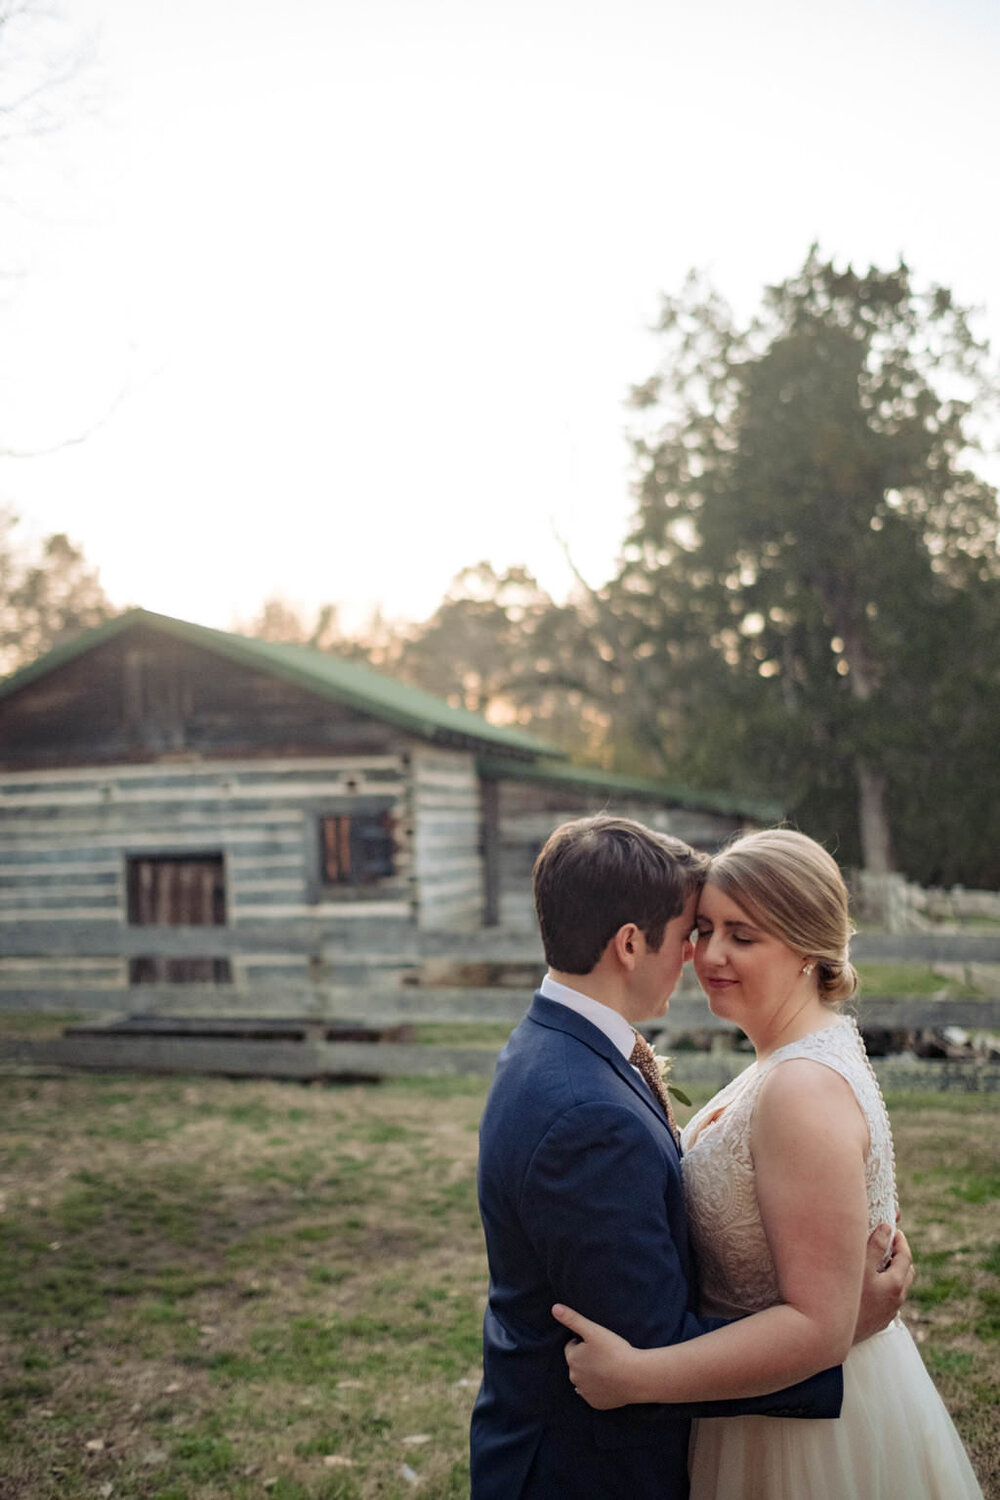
column 807, row 968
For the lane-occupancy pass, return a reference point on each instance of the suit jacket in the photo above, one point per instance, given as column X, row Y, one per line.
column 582, row 1202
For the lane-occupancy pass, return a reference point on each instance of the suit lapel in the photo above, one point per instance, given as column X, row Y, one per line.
column 556, row 1017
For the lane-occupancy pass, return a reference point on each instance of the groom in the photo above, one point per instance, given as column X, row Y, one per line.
column 580, row 1187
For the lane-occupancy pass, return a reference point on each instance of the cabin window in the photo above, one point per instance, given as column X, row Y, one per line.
column 356, row 848
column 177, row 891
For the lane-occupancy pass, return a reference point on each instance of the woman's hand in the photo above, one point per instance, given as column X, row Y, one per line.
column 602, row 1366
column 889, row 1274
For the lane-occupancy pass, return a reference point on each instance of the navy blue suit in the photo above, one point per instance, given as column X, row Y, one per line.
column 582, row 1202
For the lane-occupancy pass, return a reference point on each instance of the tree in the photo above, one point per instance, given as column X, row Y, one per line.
column 377, row 643
column 500, row 646
column 278, row 620
column 811, row 553
column 48, row 594
column 474, row 649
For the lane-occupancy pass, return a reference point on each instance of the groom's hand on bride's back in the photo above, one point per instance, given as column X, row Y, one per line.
column 888, row 1277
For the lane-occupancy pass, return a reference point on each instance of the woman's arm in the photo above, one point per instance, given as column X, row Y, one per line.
column 809, row 1142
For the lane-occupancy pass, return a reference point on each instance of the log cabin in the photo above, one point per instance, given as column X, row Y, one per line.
column 180, row 804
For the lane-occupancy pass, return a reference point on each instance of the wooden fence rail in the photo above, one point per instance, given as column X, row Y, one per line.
column 333, row 941
column 380, row 1005
column 302, row 1039
column 306, row 1060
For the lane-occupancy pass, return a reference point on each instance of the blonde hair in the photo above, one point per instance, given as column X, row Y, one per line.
column 792, row 888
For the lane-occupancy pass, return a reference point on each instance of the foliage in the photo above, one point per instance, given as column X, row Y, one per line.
column 280, row 620
column 812, row 581
column 499, row 645
column 48, row 594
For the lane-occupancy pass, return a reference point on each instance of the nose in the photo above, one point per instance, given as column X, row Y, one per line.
column 710, row 950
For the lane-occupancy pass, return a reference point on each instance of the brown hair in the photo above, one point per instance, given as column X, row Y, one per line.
column 596, row 874
column 792, row 888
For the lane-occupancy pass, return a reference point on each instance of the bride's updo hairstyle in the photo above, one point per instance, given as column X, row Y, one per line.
column 791, row 887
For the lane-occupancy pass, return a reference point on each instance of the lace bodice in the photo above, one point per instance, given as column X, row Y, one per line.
column 735, row 1269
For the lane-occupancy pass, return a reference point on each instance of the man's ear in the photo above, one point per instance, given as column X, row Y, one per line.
column 626, row 944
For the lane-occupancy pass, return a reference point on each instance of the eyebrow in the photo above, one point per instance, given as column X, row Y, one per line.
column 749, row 925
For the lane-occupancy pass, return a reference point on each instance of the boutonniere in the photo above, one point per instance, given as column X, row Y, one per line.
column 665, row 1065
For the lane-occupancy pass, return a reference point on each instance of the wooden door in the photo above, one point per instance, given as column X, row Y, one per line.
column 177, row 891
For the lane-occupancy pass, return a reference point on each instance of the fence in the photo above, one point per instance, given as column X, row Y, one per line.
column 297, row 1030
column 892, row 902
column 309, row 1048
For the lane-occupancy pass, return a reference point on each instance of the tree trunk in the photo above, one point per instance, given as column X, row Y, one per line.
column 873, row 821
column 873, row 818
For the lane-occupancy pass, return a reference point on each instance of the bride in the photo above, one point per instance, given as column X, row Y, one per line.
column 785, row 1172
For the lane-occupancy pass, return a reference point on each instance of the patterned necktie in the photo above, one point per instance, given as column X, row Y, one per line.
column 643, row 1059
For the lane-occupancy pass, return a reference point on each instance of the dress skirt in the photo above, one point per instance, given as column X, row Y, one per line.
column 894, row 1440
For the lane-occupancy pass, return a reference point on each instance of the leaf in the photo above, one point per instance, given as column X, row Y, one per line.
column 678, row 1094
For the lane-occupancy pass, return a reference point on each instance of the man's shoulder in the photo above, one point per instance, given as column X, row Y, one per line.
column 550, row 1031
column 547, row 1066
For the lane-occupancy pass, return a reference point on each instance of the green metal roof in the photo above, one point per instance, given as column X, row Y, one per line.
column 590, row 778
column 329, row 677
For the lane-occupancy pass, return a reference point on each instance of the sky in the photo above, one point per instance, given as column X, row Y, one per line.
column 330, row 299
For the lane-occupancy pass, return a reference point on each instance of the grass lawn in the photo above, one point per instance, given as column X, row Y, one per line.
column 908, row 979
column 246, row 1289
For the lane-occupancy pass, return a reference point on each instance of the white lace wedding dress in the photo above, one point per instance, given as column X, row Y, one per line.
column 894, row 1439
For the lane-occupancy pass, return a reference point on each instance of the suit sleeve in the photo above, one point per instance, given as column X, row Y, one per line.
column 598, row 1211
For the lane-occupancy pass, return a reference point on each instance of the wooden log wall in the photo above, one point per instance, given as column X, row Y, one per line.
column 447, row 819
column 529, row 812
column 66, row 836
